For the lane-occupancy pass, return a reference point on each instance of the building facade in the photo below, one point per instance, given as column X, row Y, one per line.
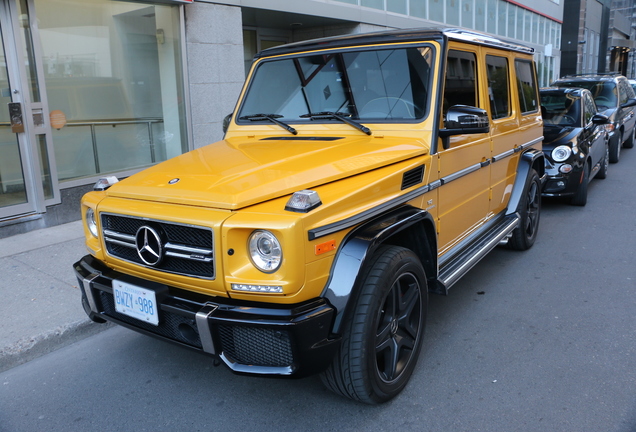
column 100, row 87
column 598, row 37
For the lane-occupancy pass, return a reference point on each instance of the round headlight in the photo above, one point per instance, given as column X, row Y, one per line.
column 561, row 153
column 265, row 251
column 91, row 223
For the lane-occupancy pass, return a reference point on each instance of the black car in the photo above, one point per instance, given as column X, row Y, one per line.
column 616, row 99
column 575, row 142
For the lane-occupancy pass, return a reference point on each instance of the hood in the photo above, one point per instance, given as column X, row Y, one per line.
column 239, row 172
column 554, row 135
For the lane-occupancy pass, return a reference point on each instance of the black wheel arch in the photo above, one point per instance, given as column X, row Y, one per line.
column 531, row 159
column 405, row 226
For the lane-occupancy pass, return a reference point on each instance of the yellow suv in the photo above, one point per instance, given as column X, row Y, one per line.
column 356, row 174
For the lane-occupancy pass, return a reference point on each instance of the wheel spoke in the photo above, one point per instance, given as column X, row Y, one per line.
column 398, row 327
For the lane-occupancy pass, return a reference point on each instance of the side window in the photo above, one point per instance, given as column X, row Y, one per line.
column 498, row 86
column 526, row 86
column 623, row 92
column 590, row 109
column 461, row 76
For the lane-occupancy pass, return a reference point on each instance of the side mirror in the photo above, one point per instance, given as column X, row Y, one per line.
column 600, row 119
column 226, row 122
column 629, row 103
column 463, row 119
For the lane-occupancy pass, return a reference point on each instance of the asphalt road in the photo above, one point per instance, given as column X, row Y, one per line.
column 543, row 340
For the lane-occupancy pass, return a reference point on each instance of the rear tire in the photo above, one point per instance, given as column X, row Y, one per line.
column 529, row 210
column 382, row 339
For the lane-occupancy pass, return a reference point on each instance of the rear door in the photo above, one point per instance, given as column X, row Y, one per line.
column 463, row 166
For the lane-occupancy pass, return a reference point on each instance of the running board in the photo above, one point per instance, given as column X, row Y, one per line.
column 451, row 271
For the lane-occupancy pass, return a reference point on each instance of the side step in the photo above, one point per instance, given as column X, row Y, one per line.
column 457, row 266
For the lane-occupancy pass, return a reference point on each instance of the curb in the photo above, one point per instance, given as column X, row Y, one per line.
column 30, row 348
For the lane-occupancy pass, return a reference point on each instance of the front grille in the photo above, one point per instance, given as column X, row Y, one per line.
column 188, row 250
column 256, row 346
column 171, row 325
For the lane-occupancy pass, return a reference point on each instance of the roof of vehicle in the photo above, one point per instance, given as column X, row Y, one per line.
column 591, row 77
column 574, row 91
column 397, row 36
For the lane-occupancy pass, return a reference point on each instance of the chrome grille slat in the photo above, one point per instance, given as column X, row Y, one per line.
column 188, row 249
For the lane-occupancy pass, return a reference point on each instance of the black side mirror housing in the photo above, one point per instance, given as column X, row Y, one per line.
column 629, row 103
column 600, row 119
column 464, row 119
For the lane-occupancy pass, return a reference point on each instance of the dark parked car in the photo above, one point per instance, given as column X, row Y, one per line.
column 575, row 142
column 616, row 99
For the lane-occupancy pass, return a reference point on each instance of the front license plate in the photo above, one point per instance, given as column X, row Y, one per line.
column 136, row 302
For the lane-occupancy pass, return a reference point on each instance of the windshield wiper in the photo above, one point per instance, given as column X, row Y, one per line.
column 339, row 116
column 272, row 118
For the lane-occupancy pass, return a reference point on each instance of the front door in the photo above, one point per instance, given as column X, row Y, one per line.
column 16, row 190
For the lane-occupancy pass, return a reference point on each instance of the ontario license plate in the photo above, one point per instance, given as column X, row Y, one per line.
column 136, row 302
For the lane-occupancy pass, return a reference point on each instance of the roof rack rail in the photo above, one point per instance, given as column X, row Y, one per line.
column 592, row 74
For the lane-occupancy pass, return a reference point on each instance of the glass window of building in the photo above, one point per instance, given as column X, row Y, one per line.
column 452, row 12
column 397, row 6
column 113, row 71
column 436, row 10
column 502, row 18
column 492, row 17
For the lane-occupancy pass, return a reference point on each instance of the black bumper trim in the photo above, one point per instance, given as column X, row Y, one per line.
column 249, row 337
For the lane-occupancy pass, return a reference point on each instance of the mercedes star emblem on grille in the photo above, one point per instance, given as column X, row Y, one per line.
column 148, row 245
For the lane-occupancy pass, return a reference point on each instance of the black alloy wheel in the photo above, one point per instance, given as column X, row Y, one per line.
column 529, row 210
column 383, row 337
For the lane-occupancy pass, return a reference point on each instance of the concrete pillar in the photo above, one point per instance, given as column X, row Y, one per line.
column 214, row 44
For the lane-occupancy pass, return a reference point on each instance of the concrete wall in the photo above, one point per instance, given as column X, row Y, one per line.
column 214, row 45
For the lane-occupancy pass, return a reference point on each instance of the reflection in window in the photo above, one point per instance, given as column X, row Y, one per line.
column 114, row 70
column 498, row 87
column 373, row 84
column 527, row 86
column 459, row 87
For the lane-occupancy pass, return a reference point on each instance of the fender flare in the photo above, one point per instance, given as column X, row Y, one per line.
column 529, row 160
column 345, row 275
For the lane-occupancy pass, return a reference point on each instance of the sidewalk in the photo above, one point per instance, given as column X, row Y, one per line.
column 40, row 307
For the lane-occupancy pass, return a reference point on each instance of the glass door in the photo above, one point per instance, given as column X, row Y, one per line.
column 15, row 187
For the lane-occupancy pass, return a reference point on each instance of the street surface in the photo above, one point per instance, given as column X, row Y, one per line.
column 543, row 340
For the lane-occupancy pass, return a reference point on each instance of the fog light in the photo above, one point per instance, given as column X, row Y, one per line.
column 257, row 288
column 565, row 168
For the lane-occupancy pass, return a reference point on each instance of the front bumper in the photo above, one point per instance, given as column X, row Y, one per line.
column 251, row 338
column 558, row 184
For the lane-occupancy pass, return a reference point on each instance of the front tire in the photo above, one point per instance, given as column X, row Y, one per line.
column 382, row 339
column 580, row 196
column 602, row 173
column 529, row 210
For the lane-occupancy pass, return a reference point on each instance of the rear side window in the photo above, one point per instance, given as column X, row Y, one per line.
column 461, row 75
column 527, row 86
column 498, row 86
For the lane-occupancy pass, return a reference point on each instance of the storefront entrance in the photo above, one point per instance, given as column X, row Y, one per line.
column 87, row 88
column 19, row 189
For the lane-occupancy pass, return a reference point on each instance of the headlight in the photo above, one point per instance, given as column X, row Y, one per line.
column 265, row 251
column 91, row 223
column 561, row 153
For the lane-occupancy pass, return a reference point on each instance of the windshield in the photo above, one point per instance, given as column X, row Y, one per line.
column 561, row 109
column 380, row 85
column 604, row 93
